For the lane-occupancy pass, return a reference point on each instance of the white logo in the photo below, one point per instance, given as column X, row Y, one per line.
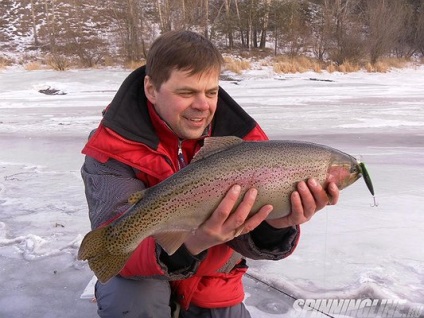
column 361, row 308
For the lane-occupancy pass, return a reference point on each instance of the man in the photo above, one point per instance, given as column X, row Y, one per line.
column 153, row 127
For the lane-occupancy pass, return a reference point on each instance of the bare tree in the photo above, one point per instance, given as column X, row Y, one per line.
column 265, row 23
column 206, row 18
column 385, row 19
column 288, row 21
column 240, row 24
column 346, row 35
column 163, row 9
column 228, row 24
column 321, row 27
column 419, row 39
column 336, row 30
column 49, row 10
column 411, row 32
column 34, row 23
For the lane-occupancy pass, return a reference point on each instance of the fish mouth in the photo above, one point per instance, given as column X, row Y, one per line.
column 354, row 173
column 344, row 173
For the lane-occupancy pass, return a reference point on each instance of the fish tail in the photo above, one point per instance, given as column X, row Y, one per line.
column 94, row 249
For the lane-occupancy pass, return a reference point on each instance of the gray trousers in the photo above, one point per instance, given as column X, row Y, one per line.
column 150, row 298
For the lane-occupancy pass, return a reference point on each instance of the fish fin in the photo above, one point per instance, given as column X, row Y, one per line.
column 213, row 145
column 94, row 249
column 107, row 266
column 136, row 196
column 171, row 241
column 93, row 243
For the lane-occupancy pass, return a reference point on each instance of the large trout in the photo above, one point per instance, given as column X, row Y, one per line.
column 172, row 209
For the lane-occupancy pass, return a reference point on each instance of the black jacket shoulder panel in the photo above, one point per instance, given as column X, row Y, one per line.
column 128, row 113
column 230, row 119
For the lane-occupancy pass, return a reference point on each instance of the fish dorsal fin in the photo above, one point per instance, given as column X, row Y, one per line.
column 136, row 196
column 213, row 145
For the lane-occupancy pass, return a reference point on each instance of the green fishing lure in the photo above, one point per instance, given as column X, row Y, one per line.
column 368, row 181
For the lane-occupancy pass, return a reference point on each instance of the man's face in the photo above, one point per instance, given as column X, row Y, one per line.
column 187, row 103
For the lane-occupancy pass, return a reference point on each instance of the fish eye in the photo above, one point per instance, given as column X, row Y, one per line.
column 355, row 169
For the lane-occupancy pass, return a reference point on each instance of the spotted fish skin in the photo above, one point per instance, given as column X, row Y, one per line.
column 172, row 209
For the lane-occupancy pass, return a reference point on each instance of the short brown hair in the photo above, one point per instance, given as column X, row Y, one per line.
column 181, row 50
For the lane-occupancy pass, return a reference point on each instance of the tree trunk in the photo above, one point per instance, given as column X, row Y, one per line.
column 50, row 21
column 265, row 25
column 243, row 42
column 164, row 18
column 34, row 23
column 206, row 19
column 228, row 24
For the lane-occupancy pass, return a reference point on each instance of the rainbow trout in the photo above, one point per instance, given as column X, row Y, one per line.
column 174, row 208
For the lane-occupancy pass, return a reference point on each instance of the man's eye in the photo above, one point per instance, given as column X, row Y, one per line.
column 212, row 94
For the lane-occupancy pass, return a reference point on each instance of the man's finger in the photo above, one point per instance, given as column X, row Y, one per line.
column 257, row 218
column 242, row 212
column 225, row 206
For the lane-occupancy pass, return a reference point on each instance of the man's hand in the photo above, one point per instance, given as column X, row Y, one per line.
column 309, row 198
column 224, row 225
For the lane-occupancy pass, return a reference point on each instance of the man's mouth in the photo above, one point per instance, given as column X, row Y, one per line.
column 195, row 119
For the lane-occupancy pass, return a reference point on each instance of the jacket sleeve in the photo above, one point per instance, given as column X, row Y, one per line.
column 107, row 188
column 266, row 242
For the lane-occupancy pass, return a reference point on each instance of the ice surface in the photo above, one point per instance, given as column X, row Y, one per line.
column 350, row 250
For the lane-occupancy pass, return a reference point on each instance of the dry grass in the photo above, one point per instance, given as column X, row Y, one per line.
column 395, row 62
column 376, row 68
column 279, row 64
column 386, row 64
column 4, row 62
column 331, row 68
column 132, row 65
column 348, row 67
column 298, row 64
column 236, row 65
column 33, row 66
column 109, row 61
column 58, row 62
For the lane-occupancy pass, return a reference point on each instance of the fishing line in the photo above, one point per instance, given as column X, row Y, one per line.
column 324, row 275
column 282, row 292
column 325, row 250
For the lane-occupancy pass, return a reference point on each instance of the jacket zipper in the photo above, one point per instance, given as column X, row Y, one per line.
column 181, row 161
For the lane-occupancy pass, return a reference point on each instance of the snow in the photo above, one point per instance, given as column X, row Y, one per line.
column 348, row 251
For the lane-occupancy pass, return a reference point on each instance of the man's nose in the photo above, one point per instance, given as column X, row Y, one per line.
column 201, row 102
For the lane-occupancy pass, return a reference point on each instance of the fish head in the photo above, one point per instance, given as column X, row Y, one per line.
column 343, row 170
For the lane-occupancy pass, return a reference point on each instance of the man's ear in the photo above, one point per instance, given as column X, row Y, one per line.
column 149, row 89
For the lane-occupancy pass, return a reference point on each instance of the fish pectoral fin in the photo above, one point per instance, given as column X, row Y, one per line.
column 136, row 196
column 171, row 241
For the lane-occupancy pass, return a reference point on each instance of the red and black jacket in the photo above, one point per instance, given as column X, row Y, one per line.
column 132, row 133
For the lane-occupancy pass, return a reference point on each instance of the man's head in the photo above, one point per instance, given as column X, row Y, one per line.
column 182, row 81
column 183, row 51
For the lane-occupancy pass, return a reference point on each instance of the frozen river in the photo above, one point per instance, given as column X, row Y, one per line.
column 347, row 251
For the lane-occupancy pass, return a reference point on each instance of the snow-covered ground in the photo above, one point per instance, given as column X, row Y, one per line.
column 349, row 251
